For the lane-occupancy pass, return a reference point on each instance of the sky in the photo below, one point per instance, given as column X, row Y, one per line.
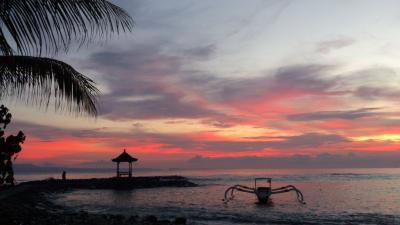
column 256, row 83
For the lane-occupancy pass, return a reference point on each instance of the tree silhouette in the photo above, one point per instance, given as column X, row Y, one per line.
column 30, row 29
column 9, row 147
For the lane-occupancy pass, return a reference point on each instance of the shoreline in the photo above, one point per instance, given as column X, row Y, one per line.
column 27, row 203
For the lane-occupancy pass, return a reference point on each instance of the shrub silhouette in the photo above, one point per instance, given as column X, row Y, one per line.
column 9, row 148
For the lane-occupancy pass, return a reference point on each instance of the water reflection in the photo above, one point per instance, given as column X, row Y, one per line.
column 333, row 195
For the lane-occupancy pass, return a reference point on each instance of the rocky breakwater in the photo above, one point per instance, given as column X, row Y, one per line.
column 115, row 183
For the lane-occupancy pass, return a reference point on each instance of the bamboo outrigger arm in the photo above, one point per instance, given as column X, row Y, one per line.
column 263, row 193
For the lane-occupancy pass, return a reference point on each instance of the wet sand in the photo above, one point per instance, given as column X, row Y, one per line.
column 27, row 203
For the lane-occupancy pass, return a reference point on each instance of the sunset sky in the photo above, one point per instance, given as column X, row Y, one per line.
column 201, row 82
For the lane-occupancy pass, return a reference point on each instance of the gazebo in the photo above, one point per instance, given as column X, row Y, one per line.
column 124, row 157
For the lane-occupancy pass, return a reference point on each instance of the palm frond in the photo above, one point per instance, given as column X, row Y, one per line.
column 37, row 26
column 41, row 78
column 5, row 48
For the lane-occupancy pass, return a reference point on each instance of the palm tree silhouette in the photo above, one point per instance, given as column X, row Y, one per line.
column 31, row 29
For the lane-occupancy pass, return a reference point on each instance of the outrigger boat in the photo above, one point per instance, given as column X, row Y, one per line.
column 262, row 192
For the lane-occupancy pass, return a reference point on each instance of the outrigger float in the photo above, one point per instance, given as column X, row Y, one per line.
column 262, row 193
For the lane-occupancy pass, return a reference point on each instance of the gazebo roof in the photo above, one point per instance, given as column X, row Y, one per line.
column 124, row 157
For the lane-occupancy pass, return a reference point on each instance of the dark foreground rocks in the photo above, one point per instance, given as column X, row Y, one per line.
column 26, row 204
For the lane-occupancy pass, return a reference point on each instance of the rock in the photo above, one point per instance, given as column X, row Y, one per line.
column 163, row 222
column 98, row 220
column 132, row 219
column 119, row 217
column 180, row 221
column 150, row 219
column 83, row 214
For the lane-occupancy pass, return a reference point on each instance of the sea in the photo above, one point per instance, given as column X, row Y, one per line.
column 333, row 196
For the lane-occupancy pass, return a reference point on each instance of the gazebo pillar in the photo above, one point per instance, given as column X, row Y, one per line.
column 130, row 169
column 117, row 169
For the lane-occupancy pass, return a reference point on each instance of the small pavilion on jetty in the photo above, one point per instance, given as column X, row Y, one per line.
column 124, row 157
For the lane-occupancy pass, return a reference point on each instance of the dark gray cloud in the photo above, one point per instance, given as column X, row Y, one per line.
column 371, row 93
column 222, row 123
column 144, row 71
column 298, row 80
column 147, row 71
column 166, row 106
column 202, row 52
column 308, row 140
column 326, row 47
column 329, row 115
column 48, row 133
column 132, row 62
